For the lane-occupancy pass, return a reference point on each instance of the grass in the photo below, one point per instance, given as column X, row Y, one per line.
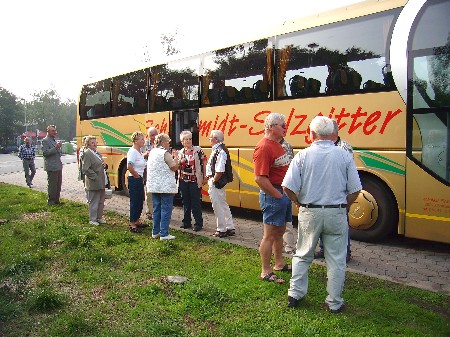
column 61, row 277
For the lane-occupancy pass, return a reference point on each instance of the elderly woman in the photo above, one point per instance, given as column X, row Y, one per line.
column 192, row 175
column 161, row 183
column 136, row 166
column 94, row 179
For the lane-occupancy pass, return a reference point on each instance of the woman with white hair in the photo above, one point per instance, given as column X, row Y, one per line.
column 191, row 177
column 161, row 183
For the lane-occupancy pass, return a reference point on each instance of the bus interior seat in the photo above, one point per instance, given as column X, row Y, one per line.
column 343, row 80
column 297, row 84
column 108, row 109
column 372, row 86
column 160, row 102
column 229, row 94
column 140, row 104
column 246, row 94
column 261, row 90
column 99, row 110
column 214, row 95
column 313, row 87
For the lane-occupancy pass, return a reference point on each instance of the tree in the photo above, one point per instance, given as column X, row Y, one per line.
column 11, row 117
column 46, row 108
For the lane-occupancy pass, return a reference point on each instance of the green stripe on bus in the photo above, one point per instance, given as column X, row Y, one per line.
column 378, row 164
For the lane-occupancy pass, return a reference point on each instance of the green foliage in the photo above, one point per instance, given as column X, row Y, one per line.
column 11, row 117
column 61, row 277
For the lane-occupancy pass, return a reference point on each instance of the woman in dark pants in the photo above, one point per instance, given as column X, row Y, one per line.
column 136, row 165
column 191, row 176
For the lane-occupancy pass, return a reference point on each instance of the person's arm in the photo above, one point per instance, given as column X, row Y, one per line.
column 171, row 161
column 133, row 172
column 265, row 184
column 130, row 160
column 292, row 196
column 351, row 198
column 87, row 167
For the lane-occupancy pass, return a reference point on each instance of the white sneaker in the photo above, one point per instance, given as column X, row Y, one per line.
column 101, row 221
column 94, row 223
column 168, row 237
column 155, row 236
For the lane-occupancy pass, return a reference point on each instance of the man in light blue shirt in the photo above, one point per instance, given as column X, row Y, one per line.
column 322, row 180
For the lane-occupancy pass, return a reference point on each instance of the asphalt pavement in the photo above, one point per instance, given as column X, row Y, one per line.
column 415, row 263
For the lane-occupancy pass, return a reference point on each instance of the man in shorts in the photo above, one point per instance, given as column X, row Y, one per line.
column 270, row 165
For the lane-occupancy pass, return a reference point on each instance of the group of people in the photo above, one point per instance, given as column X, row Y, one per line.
column 322, row 181
column 194, row 171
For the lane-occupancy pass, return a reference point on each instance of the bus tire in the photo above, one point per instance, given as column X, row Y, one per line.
column 374, row 214
column 124, row 181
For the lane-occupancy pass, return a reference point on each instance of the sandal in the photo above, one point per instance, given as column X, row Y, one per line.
column 220, row 234
column 271, row 277
column 141, row 225
column 135, row 229
column 286, row 267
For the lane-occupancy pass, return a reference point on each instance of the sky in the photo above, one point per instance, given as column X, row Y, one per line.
column 61, row 45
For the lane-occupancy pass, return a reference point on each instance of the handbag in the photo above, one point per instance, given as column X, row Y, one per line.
column 108, row 193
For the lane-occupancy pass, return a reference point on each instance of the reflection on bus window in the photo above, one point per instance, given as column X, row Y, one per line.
column 340, row 58
column 95, row 100
column 239, row 74
column 430, row 141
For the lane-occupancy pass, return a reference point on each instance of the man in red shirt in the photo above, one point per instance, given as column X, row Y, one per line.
column 271, row 163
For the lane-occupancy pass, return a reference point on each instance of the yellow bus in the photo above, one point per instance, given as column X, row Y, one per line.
column 380, row 68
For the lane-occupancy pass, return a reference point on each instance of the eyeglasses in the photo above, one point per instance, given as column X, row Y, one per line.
column 282, row 125
column 187, row 139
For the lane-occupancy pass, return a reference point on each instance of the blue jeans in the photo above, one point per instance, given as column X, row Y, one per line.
column 162, row 213
column 137, row 196
column 275, row 211
column 190, row 193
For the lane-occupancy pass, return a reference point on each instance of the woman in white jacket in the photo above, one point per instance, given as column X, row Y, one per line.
column 161, row 183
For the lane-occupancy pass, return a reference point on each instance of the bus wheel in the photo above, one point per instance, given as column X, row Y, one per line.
column 124, row 181
column 374, row 214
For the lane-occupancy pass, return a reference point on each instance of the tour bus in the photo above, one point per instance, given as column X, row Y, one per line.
column 379, row 68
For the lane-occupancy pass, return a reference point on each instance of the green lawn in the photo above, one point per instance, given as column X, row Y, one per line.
column 61, row 277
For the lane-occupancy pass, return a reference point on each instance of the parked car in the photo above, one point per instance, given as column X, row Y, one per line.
column 9, row 149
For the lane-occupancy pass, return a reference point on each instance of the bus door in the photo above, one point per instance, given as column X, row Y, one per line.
column 428, row 139
column 184, row 120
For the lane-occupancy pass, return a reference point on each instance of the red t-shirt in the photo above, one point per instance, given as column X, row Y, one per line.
column 270, row 160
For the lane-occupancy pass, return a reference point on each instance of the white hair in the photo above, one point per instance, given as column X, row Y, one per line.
column 322, row 126
column 271, row 119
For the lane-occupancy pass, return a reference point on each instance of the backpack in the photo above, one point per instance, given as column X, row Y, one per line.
column 227, row 176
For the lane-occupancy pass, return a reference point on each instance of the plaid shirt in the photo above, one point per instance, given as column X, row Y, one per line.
column 26, row 152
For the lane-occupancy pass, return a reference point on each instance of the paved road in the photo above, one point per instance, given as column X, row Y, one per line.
column 416, row 263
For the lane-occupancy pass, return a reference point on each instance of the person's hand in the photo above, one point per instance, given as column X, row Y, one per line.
column 58, row 145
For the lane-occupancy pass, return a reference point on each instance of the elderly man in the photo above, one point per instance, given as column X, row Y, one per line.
column 27, row 155
column 51, row 150
column 271, row 162
column 215, row 169
column 322, row 180
column 152, row 132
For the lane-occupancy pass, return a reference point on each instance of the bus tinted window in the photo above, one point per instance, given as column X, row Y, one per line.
column 238, row 74
column 175, row 85
column 95, row 100
column 339, row 58
column 129, row 93
column 429, row 89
